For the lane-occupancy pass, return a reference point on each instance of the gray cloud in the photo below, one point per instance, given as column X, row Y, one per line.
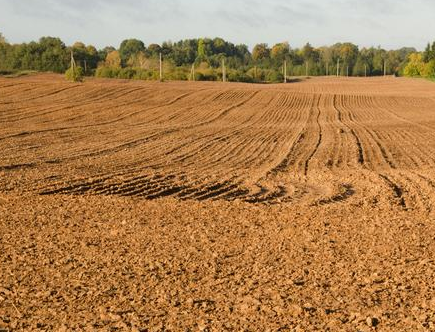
column 389, row 23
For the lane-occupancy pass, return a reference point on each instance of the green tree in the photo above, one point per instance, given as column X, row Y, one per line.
column 429, row 52
column 379, row 56
column 260, row 52
column 280, row 52
column 154, row 50
column 130, row 47
column 308, row 53
column 429, row 69
column 92, row 57
column 243, row 54
column 219, row 46
column 49, row 54
column 327, row 59
column 348, row 55
column 204, row 49
column 201, row 49
column 80, row 53
column 310, row 58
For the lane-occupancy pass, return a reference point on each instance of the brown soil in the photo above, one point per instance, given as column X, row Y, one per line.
column 217, row 207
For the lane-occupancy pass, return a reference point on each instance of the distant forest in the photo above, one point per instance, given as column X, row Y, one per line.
column 203, row 58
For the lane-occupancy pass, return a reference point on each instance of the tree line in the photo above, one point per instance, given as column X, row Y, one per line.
column 202, row 59
column 422, row 64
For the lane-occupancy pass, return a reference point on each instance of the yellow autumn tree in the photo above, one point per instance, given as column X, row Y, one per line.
column 113, row 59
column 415, row 66
column 140, row 60
column 279, row 51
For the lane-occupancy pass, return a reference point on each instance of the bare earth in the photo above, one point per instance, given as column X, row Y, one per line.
column 134, row 206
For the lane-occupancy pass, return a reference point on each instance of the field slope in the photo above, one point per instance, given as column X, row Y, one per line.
column 210, row 206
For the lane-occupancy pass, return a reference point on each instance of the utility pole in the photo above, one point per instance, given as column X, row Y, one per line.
column 161, row 67
column 365, row 70
column 338, row 66
column 192, row 72
column 385, row 68
column 347, row 71
column 285, row 71
column 224, row 72
column 73, row 63
column 327, row 69
column 306, row 68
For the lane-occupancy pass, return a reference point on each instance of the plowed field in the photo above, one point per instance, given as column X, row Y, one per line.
column 207, row 207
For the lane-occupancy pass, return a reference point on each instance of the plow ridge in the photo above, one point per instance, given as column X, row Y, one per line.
column 207, row 142
column 371, row 149
column 347, row 191
column 153, row 187
column 398, row 192
column 319, row 139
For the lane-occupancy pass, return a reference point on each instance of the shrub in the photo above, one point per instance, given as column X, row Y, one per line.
column 144, row 74
column 207, row 76
column 6, row 72
column 178, row 74
column 107, row 72
column 74, row 74
column 239, row 76
column 429, row 69
column 206, row 73
column 274, row 76
column 126, row 73
column 255, row 74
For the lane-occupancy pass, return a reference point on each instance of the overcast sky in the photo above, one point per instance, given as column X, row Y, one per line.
column 389, row 23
